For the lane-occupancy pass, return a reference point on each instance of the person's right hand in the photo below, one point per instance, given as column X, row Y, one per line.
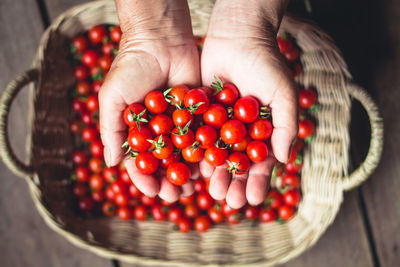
column 157, row 51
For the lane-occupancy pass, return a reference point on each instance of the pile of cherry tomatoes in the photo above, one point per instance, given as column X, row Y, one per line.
column 172, row 129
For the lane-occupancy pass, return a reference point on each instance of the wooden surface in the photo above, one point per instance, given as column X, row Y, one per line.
column 366, row 231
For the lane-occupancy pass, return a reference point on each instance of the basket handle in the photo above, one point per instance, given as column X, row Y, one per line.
column 376, row 143
column 10, row 159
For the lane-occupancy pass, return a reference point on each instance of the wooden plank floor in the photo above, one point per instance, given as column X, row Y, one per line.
column 366, row 230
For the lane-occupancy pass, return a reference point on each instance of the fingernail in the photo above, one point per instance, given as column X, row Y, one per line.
column 107, row 156
column 290, row 152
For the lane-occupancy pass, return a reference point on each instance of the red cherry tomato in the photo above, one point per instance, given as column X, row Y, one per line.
column 194, row 97
column 161, row 124
column 79, row 44
column 82, row 173
column 292, row 198
column 96, row 182
column 216, row 215
column 202, row 223
column 216, row 115
column 89, row 134
column 80, row 189
column 96, row 165
column 115, row 34
column 92, row 103
column 178, row 173
column 121, row 199
column 233, row 219
column 97, row 149
column 247, row 109
column 109, row 209
column 238, row 163
column 274, row 199
column 87, row 118
column 110, row 195
column 215, row 156
column 109, row 49
column 184, row 224
column 146, row 162
column 119, row 187
column 83, row 88
column 155, row 102
column 97, row 34
column 251, row 212
column 306, row 129
column 98, row 196
column 227, row 95
column 79, row 157
column 162, row 147
column 140, row 213
column 286, row 212
column 137, row 139
column 110, row 174
column 267, row 215
column 186, row 200
column 284, row 44
column 78, row 105
column 96, row 86
column 257, row 151
column 148, row 201
column 178, row 93
column 291, row 180
column 233, row 131
column 81, row 72
column 90, row 58
column 131, row 114
column 175, row 214
column 226, row 210
column 124, row 213
column 192, row 211
column 125, row 177
column 105, row 62
column 182, row 139
column 159, row 212
column 193, row 155
column 86, row 204
column 199, row 185
column 134, row 191
column 206, row 135
column 205, row 201
column 261, row 129
column 174, row 157
column 307, row 98
column 181, row 117
column 292, row 55
column 242, row 145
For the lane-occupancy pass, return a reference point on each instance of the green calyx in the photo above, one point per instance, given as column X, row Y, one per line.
column 184, row 130
column 138, row 118
column 218, row 85
column 157, row 144
column 193, row 108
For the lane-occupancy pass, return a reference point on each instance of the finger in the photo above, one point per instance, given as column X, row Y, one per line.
column 236, row 195
column 219, row 183
column 259, row 180
column 147, row 184
column 168, row 191
column 206, row 169
column 186, row 69
column 188, row 189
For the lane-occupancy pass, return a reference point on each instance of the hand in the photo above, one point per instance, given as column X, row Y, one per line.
column 157, row 50
column 241, row 48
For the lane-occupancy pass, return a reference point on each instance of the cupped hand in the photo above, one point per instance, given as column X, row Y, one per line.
column 241, row 48
column 157, row 51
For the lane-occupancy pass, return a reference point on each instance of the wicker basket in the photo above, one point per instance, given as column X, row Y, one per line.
column 324, row 176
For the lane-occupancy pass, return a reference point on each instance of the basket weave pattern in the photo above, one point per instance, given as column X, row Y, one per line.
column 324, row 175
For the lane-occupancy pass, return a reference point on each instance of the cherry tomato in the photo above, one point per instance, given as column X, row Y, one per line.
column 159, row 212
column 267, row 215
column 148, row 201
column 257, row 151
column 121, row 199
column 193, row 155
column 119, row 187
column 261, row 129
column 109, row 49
column 202, row 223
column 184, row 224
column 134, row 191
column 124, row 213
column 186, row 200
column 234, row 218
column 155, row 102
column 75, row 127
column 285, row 212
column 146, row 162
column 295, row 162
column 97, row 149
column 92, row 103
column 115, row 34
column 80, row 189
column 215, row 156
column 242, row 145
column 89, row 134
column 226, row 210
column 206, row 135
column 191, row 211
column 87, row 118
column 215, row 116
column 86, row 204
column 82, row 173
column 161, row 124
column 110, row 195
column 131, row 114
column 79, row 157
column 96, row 182
column 83, row 88
column 110, row 174
column 284, row 44
column 98, row 196
column 199, row 185
column 177, row 94
column 306, row 129
column 81, row 72
column 292, row 55
column 125, row 177
column 194, row 97
column 96, row 165
column 96, row 85
column 307, row 98
column 97, row 73
column 181, row 117
column 227, row 95
column 182, row 138
column 247, row 109
column 274, row 199
column 292, row 198
column 178, row 173
column 291, row 180
column 89, row 58
column 109, row 209
column 78, row 105
column 137, row 139
column 238, row 163
column 251, row 212
column 79, row 44
column 205, row 201
column 216, row 215
column 140, row 213
column 233, row 131
column 175, row 214
column 162, row 147
column 97, row 34
column 174, row 157
column 105, row 62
